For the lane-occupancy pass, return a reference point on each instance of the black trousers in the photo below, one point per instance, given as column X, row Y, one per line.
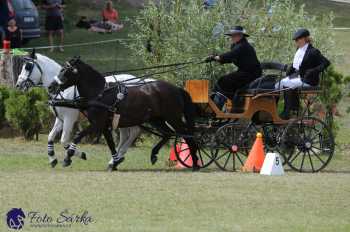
column 229, row 84
column 291, row 100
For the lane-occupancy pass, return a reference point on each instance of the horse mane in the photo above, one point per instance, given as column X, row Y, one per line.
column 92, row 75
column 46, row 59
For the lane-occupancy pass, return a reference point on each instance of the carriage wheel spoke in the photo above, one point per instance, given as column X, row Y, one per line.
column 322, row 150
column 318, row 157
column 201, row 158
column 302, row 162
column 188, row 156
column 226, row 162
column 185, row 149
column 291, row 161
column 312, row 165
column 218, row 158
column 239, row 158
column 205, row 153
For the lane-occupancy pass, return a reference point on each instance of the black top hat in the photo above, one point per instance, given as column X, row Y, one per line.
column 301, row 33
column 237, row 30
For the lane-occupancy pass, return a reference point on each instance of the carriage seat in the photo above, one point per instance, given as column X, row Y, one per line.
column 310, row 88
column 263, row 84
column 266, row 83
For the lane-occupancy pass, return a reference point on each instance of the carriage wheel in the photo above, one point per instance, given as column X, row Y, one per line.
column 230, row 152
column 272, row 134
column 205, row 155
column 313, row 142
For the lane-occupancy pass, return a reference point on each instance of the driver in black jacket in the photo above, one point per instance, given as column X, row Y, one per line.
column 242, row 55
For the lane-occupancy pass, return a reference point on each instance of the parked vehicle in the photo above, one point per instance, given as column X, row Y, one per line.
column 27, row 18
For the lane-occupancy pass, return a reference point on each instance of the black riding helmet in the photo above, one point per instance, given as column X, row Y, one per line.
column 301, row 33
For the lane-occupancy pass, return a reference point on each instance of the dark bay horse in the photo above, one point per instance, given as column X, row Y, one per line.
column 168, row 108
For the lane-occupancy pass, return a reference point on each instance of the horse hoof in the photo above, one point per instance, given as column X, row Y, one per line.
column 67, row 163
column 83, row 156
column 154, row 160
column 119, row 161
column 111, row 168
column 53, row 163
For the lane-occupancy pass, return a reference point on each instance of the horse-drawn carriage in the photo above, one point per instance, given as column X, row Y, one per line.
column 224, row 137
column 305, row 142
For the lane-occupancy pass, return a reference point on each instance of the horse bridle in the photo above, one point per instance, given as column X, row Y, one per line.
column 28, row 81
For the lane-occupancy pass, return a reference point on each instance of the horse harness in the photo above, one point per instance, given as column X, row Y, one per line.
column 121, row 94
column 55, row 101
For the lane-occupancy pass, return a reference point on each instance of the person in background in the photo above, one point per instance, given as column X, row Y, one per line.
column 109, row 13
column 14, row 34
column 305, row 71
column 4, row 16
column 110, row 17
column 54, row 21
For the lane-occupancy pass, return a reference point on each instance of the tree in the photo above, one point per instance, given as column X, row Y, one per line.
column 179, row 31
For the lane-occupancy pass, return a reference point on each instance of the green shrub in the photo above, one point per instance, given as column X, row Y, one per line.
column 4, row 94
column 25, row 111
column 334, row 87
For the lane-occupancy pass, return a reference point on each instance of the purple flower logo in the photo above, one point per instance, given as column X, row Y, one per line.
column 15, row 218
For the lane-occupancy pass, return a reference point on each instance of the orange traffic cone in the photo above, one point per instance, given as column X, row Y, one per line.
column 172, row 156
column 185, row 157
column 256, row 156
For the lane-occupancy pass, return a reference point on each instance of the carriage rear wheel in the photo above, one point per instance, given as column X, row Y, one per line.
column 230, row 150
column 205, row 141
column 272, row 134
column 313, row 144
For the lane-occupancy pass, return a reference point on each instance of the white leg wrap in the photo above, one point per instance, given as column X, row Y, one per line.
column 52, row 158
column 50, row 147
column 73, row 147
column 51, row 152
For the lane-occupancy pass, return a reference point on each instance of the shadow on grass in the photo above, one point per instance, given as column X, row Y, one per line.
column 336, row 172
column 155, row 170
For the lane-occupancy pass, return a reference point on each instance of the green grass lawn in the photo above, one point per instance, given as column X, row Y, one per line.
column 343, row 46
column 340, row 10
column 142, row 197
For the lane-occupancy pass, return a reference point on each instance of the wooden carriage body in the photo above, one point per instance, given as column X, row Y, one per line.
column 253, row 104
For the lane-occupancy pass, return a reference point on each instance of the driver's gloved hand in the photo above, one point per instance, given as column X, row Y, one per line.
column 210, row 58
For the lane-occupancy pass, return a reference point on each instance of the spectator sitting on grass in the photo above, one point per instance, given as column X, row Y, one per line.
column 110, row 17
column 14, row 34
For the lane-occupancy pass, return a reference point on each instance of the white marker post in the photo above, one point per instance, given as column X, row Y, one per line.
column 272, row 165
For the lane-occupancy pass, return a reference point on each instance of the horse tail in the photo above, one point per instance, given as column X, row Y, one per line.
column 189, row 109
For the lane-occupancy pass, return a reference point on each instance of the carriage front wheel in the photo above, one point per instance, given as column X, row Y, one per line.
column 231, row 147
column 312, row 143
column 204, row 153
